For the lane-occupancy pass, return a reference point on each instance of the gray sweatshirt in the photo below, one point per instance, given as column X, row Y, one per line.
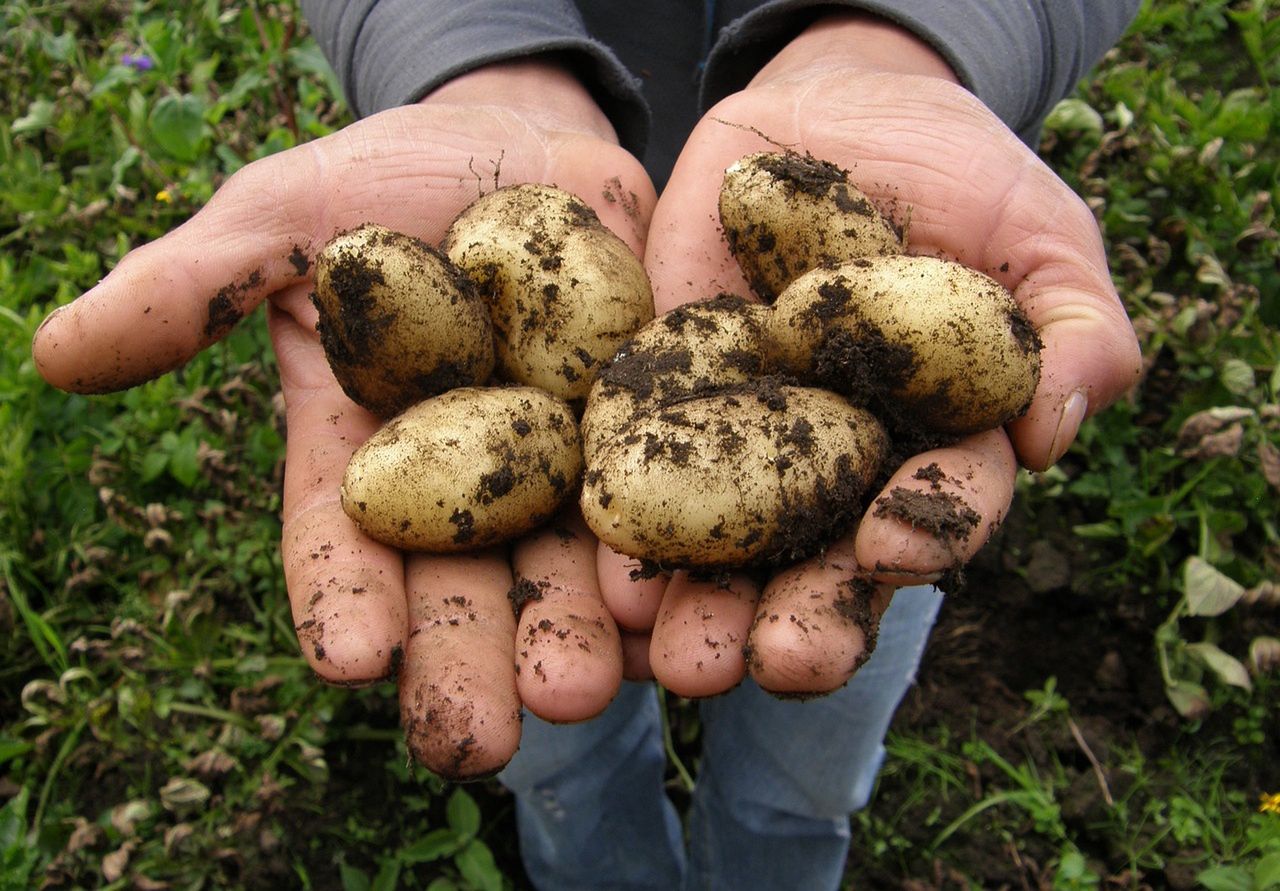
column 655, row 66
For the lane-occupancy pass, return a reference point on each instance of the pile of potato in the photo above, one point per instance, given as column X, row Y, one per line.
column 529, row 290
column 730, row 434
column 725, row 433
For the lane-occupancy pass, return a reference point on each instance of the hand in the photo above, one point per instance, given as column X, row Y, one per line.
column 873, row 99
column 364, row 610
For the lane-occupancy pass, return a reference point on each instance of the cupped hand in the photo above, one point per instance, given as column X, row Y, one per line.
column 363, row 610
column 874, row 100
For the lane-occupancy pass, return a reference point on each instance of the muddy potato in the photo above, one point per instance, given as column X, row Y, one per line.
column 466, row 469
column 693, row 349
column 762, row 474
column 564, row 292
column 397, row 321
column 946, row 344
column 784, row 213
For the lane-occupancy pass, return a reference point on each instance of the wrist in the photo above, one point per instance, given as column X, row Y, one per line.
column 541, row 89
column 856, row 42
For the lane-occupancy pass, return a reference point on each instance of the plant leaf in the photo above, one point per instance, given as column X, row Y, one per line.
column 1074, row 115
column 1226, row 878
column 1237, row 376
column 463, row 814
column 478, row 867
column 1191, row 700
column 39, row 116
column 1266, row 872
column 1209, row 592
column 435, row 844
column 1228, row 668
column 177, row 123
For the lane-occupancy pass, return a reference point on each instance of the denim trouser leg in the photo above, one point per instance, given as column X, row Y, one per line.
column 779, row 778
column 777, row 783
column 590, row 807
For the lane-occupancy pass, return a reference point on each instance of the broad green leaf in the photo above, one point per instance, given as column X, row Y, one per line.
column 435, row 844
column 177, row 123
column 184, row 461
column 1191, row 700
column 39, row 116
column 13, row 820
column 388, row 877
column 1228, row 668
column 60, row 48
column 1266, row 872
column 353, row 878
column 1209, row 592
column 463, row 814
column 478, row 867
column 115, row 76
column 12, row 748
column 1237, row 376
column 1074, row 115
column 1226, row 878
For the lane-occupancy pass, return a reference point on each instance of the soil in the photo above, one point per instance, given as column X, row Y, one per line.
column 1029, row 611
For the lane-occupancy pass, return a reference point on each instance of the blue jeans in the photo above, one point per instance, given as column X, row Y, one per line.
column 771, row 806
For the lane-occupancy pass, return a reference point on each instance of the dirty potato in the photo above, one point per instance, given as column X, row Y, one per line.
column 466, row 469
column 564, row 292
column 944, row 346
column 398, row 322
column 692, row 350
column 759, row 474
column 784, row 213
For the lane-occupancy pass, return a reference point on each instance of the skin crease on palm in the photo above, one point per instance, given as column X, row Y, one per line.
column 910, row 138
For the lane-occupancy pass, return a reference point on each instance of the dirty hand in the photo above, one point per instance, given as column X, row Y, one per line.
column 873, row 99
column 363, row 610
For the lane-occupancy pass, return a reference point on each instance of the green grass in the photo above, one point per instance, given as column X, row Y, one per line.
column 158, row 727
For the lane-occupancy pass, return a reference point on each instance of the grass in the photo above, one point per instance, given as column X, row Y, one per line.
column 158, row 728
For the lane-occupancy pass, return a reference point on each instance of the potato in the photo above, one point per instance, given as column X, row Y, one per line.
column 947, row 345
column 785, row 213
column 397, row 321
column 759, row 474
column 466, row 469
column 564, row 292
column 694, row 349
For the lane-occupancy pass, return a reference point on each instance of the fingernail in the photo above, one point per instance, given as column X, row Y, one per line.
column 1074, row 409
column 49, row 318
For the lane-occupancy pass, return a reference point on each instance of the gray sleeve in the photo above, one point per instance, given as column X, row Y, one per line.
column 392, row 52
column 1018, row 56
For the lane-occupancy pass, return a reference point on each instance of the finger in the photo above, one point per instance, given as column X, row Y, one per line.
column 635, row 656
column 568, row 652
column 938, row 509
column 1089, row 360
column 632, row 594
column 816, row 624
column 698, row 639
column 167, row 300
column 458, row 701
column 346, row 590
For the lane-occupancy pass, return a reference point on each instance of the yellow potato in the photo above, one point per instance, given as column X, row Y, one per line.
column 784, row 213
column 397, row 321
column 694, row 349
column 466, row 469
column 564, row 292
column 942, row 345
column 760, row 474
